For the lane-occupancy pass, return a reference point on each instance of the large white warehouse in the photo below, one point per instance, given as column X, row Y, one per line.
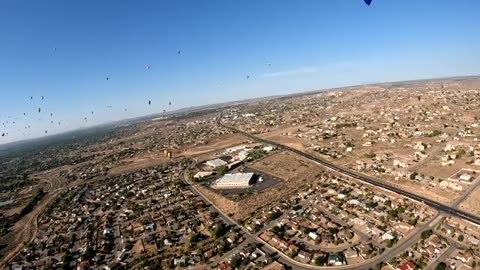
column 235, row 180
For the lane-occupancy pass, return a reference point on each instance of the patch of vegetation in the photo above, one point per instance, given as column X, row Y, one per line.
column 370, row 154
column 426, row 234
column 434, row 133
column 29, row 207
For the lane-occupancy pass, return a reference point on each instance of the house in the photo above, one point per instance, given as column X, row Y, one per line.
column 473, row 240
column 403, row 227
column 350, row 253
column 379, row 199
column 304, row 255
column 431, row 250
column 435, row 241
column 179, row 261
column 313, row 235
column 466, row 177
column 364, row 250
column 209, row 254
column 232, row 238
column 387, row 236
column 407, row 266
column 336, row 259
column 464, row 257
column 150, row 227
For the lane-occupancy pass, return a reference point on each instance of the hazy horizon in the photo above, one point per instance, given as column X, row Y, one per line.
column 226, row 102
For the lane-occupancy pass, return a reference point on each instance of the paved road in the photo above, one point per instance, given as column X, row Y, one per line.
column 366, row 179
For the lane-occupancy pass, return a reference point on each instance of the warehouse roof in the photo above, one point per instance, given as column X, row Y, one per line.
column 236, row 178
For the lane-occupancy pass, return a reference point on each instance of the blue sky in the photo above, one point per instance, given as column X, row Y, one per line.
column 64, row 50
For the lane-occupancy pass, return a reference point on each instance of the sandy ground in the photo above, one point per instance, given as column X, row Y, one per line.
column 139, row 162
column 472, row 202
column 215, row 144
column 296, row 143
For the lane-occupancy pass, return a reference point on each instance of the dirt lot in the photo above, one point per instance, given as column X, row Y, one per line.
column 294, row 171
column 216, row 144
column 296, row 143
column 139, row 162
column 472, row 202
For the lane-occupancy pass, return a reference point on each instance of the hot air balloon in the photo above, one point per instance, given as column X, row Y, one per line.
column 46, row 131
column 107, row 78
column 368, row 2
column 248, row 76
column 149, row 102
column 39, row 109
column 43, row 97
column 169, row 103
column 179, row 51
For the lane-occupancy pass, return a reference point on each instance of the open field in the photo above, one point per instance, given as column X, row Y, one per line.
column 472, row 202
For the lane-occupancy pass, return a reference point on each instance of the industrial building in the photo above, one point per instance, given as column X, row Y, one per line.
column 236, row 180
column 216, row 163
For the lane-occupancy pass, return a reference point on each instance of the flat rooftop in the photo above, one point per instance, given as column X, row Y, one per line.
column 236, row 178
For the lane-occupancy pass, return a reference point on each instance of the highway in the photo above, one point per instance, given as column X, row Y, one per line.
column 366, row 179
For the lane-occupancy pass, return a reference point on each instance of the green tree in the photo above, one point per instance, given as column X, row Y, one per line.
column 426, row 234
column 413, row 221
column 194, row 238
column 222, row 170
column 219, row 230
column 89, row 253
column 320, row 260
column 460, row 238
column 235, row 262
column 441, row 266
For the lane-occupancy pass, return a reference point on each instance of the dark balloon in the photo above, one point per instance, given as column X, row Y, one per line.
column 368, row 2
